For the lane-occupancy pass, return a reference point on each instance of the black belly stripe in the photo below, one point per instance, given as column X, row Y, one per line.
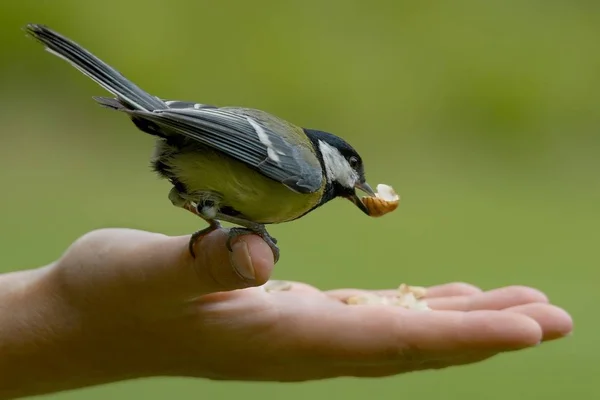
column 230, row 211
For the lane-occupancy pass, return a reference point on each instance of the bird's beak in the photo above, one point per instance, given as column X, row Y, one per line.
column 363, row 186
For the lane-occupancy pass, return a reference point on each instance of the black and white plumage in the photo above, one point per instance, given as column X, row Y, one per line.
column 250, row 136
column 234, row 164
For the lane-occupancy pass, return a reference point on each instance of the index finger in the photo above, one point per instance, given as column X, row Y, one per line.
column 437, row 291
column 381, row 334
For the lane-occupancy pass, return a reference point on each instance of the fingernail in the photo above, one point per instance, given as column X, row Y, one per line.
column 241, row 260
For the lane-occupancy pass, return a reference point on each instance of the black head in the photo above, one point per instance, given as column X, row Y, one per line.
column 342, row 165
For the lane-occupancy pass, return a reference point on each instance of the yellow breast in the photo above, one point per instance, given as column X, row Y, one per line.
column 257, row 197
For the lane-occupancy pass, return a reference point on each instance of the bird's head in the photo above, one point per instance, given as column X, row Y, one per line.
column 343, row 168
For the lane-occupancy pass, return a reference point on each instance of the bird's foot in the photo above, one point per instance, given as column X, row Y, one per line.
column 271, row 241
column 214, row 225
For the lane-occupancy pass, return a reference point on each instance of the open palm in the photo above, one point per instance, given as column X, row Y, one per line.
column 174, row 315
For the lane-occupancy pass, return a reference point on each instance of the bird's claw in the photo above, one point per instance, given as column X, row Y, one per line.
column 271, row 241
column 214, row 225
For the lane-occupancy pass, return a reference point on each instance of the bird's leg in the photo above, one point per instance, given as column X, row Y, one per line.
column 214, row 224
column 209, row 212
column 249, row 227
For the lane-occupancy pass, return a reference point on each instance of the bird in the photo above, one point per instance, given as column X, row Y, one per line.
column 229, row 164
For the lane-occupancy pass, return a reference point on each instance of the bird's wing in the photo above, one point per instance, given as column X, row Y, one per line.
column 251, row 136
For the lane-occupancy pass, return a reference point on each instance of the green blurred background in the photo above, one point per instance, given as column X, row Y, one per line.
column 483, row 115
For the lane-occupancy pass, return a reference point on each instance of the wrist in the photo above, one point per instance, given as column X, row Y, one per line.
column 48, row 343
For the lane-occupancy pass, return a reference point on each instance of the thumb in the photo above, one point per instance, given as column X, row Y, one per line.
column 143, row 265
column 217, row 269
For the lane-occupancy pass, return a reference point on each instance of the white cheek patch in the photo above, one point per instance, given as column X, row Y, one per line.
column 264, row 139
column 337, row 167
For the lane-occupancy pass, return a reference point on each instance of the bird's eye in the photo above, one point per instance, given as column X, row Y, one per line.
column 353, row 161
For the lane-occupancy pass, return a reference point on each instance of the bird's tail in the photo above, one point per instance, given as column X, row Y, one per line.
column 103, row 74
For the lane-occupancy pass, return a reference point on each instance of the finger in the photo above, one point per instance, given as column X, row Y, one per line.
column 496, row 299
column 448, row 289
column 452, row 289
column 161, row 266
column 444, row 290
column 214, row 268
column 555, row 322
column 250, row 262
column 389, row 333
column 376, row 371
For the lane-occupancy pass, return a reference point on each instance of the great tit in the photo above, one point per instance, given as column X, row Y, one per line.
column 234, row 164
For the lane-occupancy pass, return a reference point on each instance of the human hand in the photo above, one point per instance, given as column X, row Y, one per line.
column 136, row 304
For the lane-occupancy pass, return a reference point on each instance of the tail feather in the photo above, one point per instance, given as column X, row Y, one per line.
column 107, row 102
column 90, row 65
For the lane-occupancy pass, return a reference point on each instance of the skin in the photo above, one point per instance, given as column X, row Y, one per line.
column 123, row 304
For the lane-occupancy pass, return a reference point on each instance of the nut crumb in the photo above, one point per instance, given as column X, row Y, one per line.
column 409, row 297
column 277, row 286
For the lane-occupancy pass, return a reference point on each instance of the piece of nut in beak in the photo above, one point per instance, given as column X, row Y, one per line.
column 385, row 201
